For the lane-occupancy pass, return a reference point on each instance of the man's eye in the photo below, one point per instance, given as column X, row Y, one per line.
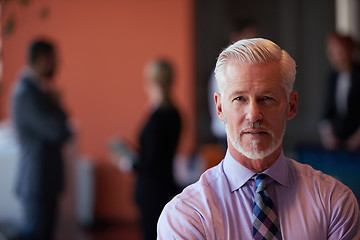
column 268, row 98
column 240, row 98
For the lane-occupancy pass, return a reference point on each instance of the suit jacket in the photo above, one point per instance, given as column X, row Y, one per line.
column 41, row 129
column 158, row 141
column 344, row 126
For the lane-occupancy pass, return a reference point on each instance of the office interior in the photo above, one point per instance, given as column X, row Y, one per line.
column 103, row 47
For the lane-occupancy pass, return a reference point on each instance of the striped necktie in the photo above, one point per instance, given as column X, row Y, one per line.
column 266, row 225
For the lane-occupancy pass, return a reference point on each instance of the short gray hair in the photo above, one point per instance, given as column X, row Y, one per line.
column 256, row 50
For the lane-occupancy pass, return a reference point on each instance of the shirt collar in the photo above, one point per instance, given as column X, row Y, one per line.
column 238, row 175
column 279, row 171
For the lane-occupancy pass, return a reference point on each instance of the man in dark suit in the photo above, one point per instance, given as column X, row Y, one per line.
column 42, row 130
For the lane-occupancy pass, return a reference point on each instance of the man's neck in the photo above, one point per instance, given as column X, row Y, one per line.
column 38, row 79
column 34, row 74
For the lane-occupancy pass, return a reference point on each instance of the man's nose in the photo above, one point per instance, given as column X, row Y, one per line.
column 253, row 112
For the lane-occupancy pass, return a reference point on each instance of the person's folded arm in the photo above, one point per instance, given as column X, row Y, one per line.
column 345, row 218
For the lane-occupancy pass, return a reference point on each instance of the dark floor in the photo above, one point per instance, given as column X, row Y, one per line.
column 70, row 230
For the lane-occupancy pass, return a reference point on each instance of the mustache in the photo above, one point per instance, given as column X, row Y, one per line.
column 255, row 125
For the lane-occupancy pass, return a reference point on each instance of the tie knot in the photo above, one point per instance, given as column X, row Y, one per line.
column 260, row 182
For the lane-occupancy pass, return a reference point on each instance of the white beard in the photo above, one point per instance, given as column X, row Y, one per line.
column 255, row 153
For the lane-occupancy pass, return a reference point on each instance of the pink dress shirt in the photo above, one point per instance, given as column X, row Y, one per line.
column 310, row 205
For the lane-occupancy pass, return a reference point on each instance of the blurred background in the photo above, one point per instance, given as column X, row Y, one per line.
column 103, row 48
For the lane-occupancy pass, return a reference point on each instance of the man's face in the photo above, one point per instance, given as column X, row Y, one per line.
column 255, row 108
column 339, row 58
column 46, row 65
column 51, row 67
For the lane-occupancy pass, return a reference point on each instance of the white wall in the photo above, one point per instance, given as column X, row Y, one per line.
column 10, row 208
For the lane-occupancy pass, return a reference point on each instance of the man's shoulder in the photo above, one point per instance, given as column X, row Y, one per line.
column 315, row 179
column 328, row 196
column 190, row 213
column 24, row 85
column 196, row 194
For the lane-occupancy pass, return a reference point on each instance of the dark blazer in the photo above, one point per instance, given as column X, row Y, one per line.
column 344, row 126
column 155, row 182
column 41, row 127
column 158, row 141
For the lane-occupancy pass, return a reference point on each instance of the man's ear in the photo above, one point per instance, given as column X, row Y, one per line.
column 218, row 105
column 292, row 109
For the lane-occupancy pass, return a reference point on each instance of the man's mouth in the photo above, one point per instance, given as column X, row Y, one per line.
column 254, row 131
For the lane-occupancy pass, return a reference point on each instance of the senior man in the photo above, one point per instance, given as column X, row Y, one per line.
column 256, row 192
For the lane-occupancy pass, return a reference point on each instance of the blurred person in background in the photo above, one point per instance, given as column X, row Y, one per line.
column 42, row 130
column 340, row 128
column 242, row 29
column 158, row 141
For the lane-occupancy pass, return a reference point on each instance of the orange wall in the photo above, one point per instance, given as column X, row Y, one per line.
column 103, row 47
